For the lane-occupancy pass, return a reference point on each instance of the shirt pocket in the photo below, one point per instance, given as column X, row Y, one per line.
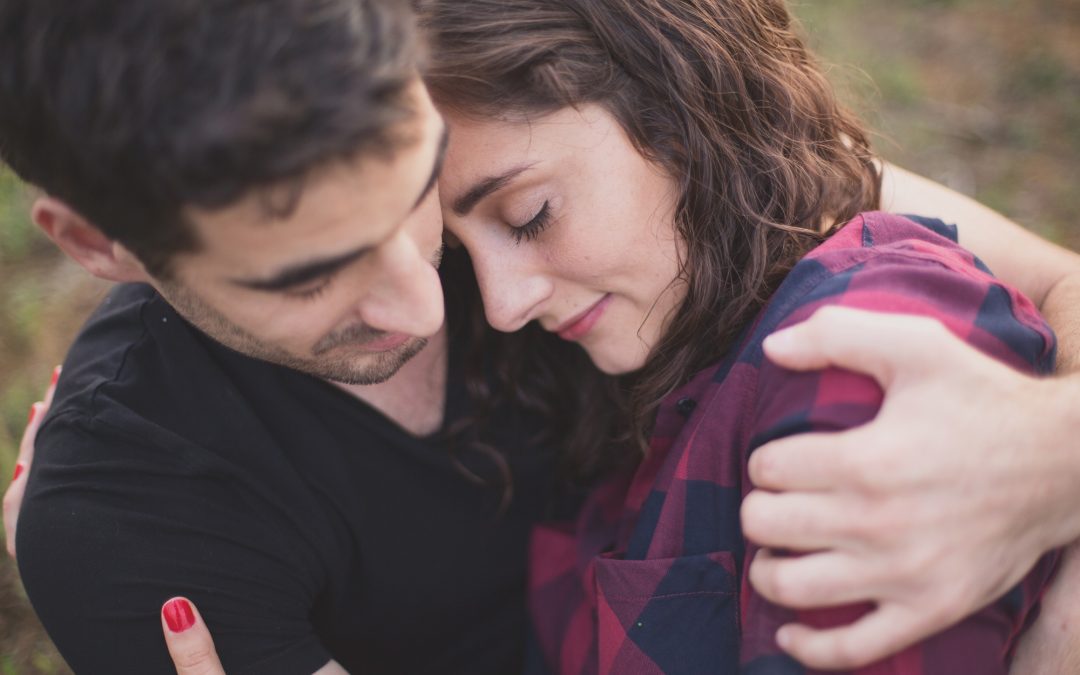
column 669, row 615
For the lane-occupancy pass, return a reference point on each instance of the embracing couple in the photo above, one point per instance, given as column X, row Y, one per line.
column 294, row 413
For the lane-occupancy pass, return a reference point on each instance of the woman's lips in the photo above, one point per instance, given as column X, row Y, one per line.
column 576, row 328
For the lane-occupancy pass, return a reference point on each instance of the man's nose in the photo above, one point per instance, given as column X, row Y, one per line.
column 407, row 296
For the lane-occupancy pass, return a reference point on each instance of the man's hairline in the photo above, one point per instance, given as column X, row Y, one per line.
column 384, row 151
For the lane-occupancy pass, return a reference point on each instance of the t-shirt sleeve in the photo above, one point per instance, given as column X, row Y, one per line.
column 112, row 527
column 979, row 310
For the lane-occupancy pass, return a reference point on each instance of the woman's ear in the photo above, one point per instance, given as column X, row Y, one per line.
column 84, row 243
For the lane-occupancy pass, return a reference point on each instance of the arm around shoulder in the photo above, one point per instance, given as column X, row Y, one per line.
column 1044, row 272
column 838, row 400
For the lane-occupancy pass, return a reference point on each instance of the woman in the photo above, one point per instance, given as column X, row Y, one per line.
column 667, row 184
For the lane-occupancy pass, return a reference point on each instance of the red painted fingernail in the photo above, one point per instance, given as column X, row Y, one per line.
column 33, row 411
column 55, row 376
column 18, row 471
column 178, row 615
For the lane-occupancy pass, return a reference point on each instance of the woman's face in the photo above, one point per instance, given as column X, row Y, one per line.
column 567, row 224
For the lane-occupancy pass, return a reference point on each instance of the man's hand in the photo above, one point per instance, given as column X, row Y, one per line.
column 932, row 510
column 14, row 495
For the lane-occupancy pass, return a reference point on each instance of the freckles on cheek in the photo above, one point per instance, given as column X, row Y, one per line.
column 573, row 262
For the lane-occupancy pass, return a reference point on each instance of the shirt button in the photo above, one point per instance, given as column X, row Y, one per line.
column 685, row 406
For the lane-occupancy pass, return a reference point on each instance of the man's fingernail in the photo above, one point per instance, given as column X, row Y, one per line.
column 18, row 471
column 780, row 341
column 178, row 615
column 33, row 411
column 55, row 376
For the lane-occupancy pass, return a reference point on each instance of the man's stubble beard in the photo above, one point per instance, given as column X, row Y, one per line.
column 330, row 360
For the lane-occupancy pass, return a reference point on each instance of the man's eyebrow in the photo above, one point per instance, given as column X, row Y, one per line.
column 296, row 275
column 465, row 203
column 301, row 273
column 440, row 157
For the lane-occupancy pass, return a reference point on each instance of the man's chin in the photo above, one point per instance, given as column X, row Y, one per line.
column 347, row 363
column 357, row 367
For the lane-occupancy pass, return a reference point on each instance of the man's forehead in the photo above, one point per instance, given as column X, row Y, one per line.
column 330, row 217
column 369, row 172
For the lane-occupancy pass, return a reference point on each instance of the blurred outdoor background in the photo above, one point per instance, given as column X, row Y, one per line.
column 982, row 95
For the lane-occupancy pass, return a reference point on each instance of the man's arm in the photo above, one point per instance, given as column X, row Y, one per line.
column 1013, row 447
column 192, row 647
column 1048, row 274
column 111, row 526
column 967, row 474
column 844, row 524
column 187, row 637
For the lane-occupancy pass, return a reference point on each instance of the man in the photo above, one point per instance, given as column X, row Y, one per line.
column 254, row 417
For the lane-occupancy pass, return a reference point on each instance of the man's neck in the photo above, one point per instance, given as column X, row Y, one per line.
column 415, row 397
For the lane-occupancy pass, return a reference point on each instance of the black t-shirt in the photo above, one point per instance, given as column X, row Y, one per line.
column 304, row 524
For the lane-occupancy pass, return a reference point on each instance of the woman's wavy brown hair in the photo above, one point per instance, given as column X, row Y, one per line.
column 724, row 96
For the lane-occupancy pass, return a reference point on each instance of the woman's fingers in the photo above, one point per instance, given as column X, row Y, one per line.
column 14, row 495
column 188, row 639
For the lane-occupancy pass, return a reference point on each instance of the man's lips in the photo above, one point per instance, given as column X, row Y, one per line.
column 577, row 327
column 385, row 343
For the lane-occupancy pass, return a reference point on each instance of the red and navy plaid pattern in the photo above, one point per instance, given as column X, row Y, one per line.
column 653, row 576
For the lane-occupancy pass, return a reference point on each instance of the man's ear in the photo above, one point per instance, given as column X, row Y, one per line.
column 86, row 244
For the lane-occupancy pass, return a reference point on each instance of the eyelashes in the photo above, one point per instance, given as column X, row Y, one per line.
column 532, row 229
column 310, row 294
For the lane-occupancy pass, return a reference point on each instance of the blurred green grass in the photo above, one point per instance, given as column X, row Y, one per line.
column 982, row 95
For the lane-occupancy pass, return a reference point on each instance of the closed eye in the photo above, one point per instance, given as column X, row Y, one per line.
column 310, row 292
column 532, row 229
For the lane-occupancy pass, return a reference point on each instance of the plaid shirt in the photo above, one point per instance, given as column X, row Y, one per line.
column 653, row 576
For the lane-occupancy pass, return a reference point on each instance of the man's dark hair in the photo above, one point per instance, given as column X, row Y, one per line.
column 131, row 110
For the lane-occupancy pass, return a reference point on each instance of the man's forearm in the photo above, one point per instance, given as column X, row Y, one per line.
column 1061, row 307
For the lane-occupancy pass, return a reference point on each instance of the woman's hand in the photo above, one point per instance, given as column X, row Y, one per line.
column 932, row 510
column 192, row 647
column 188, row 639
column 14, row 495
column 189, row 642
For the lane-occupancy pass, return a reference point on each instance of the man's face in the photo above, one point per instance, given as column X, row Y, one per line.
column 343, row 287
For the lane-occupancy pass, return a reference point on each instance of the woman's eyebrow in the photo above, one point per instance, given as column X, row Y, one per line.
column 484, row 187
